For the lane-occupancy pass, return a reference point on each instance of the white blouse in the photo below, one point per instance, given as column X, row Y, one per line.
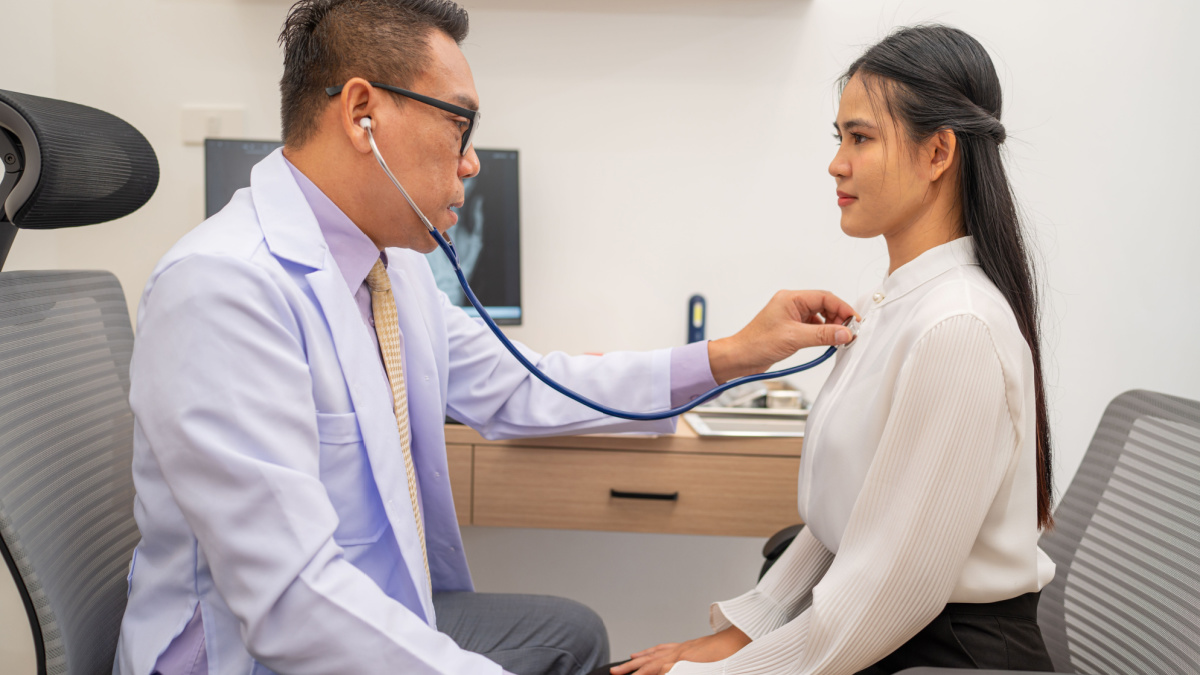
column 918, row 480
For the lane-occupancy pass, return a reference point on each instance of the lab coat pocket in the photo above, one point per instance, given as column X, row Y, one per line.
column 346, row 474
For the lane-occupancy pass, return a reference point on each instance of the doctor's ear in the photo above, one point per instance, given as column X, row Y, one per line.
column 356, row 104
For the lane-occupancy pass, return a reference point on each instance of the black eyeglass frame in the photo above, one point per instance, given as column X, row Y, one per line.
column 472, row 116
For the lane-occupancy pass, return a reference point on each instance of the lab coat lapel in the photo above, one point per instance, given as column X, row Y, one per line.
column 418, row 348
column 377, row 421
column 288, row 224
column 292, row 233
column 427, row 411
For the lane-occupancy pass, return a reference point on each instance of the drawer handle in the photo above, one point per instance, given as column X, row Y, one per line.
column 660, row 496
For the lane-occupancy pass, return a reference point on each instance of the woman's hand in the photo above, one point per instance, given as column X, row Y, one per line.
column 791, row 321
column 658, row 660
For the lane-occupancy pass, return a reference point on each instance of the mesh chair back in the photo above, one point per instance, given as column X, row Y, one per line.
column 1127, row 545
column 86, row 166
column 66, row 442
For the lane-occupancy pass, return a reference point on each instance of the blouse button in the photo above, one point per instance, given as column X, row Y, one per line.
column 878, row 297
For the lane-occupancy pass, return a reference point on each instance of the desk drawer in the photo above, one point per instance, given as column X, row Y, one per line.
column 574, row 489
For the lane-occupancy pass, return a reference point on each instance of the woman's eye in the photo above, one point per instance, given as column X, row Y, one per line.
column 856, row 138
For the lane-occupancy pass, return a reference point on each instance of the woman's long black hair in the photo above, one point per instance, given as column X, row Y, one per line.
column 936, row 77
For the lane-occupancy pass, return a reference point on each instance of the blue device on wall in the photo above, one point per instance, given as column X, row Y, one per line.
column 697, row 316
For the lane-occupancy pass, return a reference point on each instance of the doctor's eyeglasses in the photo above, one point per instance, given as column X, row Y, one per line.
column 472, row 116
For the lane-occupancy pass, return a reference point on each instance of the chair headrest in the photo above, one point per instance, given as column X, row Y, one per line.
column 67, row 165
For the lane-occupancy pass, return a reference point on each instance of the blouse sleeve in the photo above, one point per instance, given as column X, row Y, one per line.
column 947, row 445
column 784, row 591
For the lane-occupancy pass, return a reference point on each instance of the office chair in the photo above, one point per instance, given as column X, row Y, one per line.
column 1126, row 597
column 66, row 431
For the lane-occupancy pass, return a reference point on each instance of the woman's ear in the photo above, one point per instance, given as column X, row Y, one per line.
column 941, row 153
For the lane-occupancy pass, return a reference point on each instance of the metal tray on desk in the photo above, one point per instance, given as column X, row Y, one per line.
column 748, row 422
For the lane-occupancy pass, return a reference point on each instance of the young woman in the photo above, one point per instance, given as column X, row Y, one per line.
column 925, row 477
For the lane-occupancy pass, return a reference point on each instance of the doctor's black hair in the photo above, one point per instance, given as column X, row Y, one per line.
column 932, row 78
column 327, row 42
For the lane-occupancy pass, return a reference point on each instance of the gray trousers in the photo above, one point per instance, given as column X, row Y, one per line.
column 525, row 634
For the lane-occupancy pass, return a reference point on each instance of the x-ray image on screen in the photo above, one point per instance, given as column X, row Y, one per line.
column 487, row 240
column 468, row 244
column 487, row 236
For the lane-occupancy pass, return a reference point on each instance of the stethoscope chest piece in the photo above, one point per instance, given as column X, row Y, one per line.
column 854, row 325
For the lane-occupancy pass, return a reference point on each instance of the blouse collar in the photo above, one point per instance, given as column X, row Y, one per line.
column 925, row 267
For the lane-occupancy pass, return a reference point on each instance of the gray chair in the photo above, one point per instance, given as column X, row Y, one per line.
column 67, row 531
column 1126, row 598
column 66, row 439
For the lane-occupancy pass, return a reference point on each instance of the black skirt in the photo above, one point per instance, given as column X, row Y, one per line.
column 996, row 635
column 988, row 636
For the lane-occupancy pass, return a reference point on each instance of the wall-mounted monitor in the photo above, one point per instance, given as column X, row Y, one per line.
column 227, row 167
column 487, row 236
column 487, row 239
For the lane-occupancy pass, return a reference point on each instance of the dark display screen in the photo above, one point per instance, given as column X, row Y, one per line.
column 487, row 236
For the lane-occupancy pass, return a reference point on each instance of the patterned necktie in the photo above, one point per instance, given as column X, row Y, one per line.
column 387, row 329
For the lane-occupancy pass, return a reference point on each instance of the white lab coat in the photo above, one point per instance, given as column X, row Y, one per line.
column 271, row 487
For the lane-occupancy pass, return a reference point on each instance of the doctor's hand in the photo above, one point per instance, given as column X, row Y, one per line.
column 791, row 321
column 658, row 660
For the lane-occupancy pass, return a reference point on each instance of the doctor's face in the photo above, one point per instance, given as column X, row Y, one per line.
column 879, row 186
column 422, row 145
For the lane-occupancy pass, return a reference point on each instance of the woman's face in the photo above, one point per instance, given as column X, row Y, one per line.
column 883, row 187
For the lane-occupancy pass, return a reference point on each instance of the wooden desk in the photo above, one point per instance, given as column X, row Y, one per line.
column 721, row 486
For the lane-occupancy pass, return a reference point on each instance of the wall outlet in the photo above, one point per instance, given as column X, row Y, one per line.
column 211, row 121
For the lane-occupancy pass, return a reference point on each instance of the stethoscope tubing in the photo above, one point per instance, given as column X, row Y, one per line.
column 452, row 256
column 448, row 249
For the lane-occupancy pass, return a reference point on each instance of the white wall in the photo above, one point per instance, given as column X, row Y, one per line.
column 673, row 147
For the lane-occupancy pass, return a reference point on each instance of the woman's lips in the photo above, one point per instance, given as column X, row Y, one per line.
column 845, row 199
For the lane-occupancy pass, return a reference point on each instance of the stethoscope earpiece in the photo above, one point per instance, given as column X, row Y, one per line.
column 365, row 123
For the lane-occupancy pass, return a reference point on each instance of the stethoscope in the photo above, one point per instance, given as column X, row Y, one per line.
column 448, row 249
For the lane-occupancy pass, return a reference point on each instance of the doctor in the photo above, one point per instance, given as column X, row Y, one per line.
column 293, row 366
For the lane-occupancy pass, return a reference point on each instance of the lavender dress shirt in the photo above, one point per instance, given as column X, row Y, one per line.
column 355, row 255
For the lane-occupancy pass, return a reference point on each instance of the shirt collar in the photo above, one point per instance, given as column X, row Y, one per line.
column 927, row 266
column 352, row 250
